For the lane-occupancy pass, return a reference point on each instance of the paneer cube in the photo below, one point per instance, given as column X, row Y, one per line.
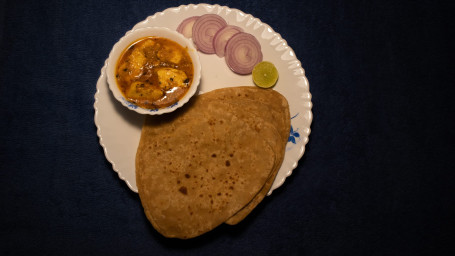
column 170, row 77
column 142, row 90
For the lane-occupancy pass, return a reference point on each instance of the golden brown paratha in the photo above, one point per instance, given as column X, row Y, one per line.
column 212, row 161
column 197, row 170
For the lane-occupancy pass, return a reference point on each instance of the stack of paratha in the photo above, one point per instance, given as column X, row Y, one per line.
column 212, row 161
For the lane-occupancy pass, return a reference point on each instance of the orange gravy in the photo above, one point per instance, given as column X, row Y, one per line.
column 154, row 72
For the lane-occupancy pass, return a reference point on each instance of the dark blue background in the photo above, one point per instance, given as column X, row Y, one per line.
column 376, row 178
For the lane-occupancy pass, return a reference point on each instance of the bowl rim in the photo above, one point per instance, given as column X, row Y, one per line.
column 136, row 34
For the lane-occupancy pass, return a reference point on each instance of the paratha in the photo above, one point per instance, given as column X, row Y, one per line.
column 196, row 172
column 211, row 161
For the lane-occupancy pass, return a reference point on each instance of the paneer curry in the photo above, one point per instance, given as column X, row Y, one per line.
column 154, row 72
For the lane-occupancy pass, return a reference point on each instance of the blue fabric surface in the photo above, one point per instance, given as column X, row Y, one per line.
column 376, row 177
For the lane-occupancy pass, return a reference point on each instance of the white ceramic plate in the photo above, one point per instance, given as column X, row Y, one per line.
column 119, row 128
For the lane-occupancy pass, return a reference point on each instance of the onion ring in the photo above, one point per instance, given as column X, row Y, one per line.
column 222, row 36
column 204, row 29
column 243, row 52
column 186, row 26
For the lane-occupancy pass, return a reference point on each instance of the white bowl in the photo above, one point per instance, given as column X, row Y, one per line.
column 136, row 34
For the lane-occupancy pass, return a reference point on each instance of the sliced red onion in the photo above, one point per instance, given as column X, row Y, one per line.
column 243, row 52
column 204, row 29
column 222, row 36
column 186, row 26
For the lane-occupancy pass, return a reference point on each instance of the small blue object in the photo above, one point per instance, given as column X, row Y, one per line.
column 293, row 134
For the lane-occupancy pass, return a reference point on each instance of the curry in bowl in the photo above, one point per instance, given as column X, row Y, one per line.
column 154, row 72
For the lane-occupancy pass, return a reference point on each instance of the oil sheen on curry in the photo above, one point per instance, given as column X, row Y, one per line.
column 154, row 72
